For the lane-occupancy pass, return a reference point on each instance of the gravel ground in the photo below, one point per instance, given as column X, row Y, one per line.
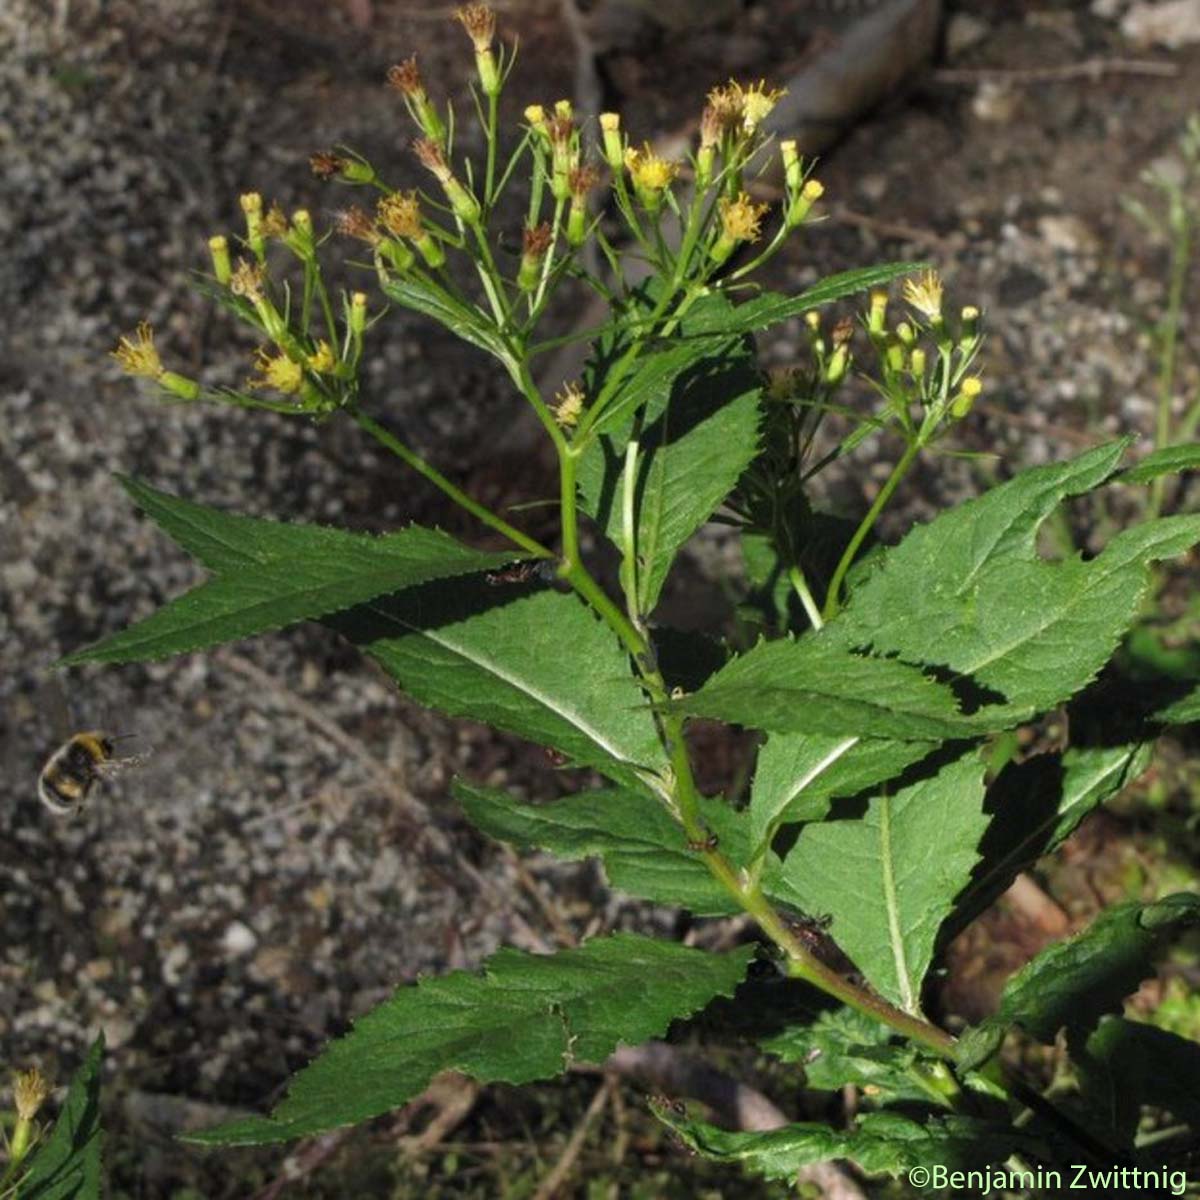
column 224, row 908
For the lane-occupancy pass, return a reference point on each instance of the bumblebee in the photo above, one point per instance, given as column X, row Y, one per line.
column 75, row 768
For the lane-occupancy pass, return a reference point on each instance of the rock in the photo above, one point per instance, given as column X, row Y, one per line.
column 238, row 939
column 1172, row 24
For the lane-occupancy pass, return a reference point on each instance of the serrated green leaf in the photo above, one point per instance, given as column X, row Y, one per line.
column 968, row 593
column 1184, row 711
column 1037, row 805
column 882, row 1143
column 1072, row 984
column 1168, row 461
column 67, row 1165
column 643, row 849
column 692, row 451
column 764, row 311
column 843, row 1047
column 536, row 663
column 816, row 686
column 1127, row 1064
column 525, row 1017
column 472, row 326
column 798, row 775
column 272, row 575
column 889, row 875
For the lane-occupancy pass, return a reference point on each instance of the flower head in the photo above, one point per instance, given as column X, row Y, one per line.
column 30, row 1089
column 570, row 405
column 725, row 107
column 277, row 372
column 757, row 102
column 326, row 164
column 400, row 213
column 649, row 172
column 581, row 180
column 480, row 23
column 247, row 280
column 740, row 218
column 356, row 223
column 137, row 355
column 925, row 294
column 274, row 222
column 405, row 77
column 321, row 359
column 432, row 158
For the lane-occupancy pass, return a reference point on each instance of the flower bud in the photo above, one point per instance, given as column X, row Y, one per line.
column 793, row 166
column 251, row 203
column 218, row 248
column 968, row 391
column 301, row 238
column 877, row 312
column 838, row 365
column 917, row 363
column 358, row 313
column 614, row 147
column 801, row 206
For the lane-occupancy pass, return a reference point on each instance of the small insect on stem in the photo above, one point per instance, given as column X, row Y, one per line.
column 521, row 572
column 708, row 842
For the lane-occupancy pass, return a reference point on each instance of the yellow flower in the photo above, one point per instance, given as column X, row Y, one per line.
column 570, row 406
column 400, row 213
column 278, row 372
column 925, row 294
column 740, row 218
column 137, row 355
column 757, row 102
column 321, row 360
column 649, row 172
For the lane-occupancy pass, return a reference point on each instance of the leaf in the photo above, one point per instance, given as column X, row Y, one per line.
column 798, row 775
column 764, row 311
column 882, row 1143
column 843, row 1047
column 690, row 457
column 889, row 875
column 536, row 663
column 272, row 575
column 1036, row 806
column 642, row 847
column 1166, row 461
column 1126, row 1064
column 815, row 686
column 525, row 1017
column 67, row 1165
column 1183, row 711
column 1072, row 984
column 967, row 593
column 472, row 326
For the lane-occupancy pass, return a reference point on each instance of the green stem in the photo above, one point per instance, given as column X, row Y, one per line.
column 418, row 464
column 1172, row 318
column 832, row 601
column 492, row 137
column 800, row 586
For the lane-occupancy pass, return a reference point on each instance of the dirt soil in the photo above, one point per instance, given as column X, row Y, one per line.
column 228, row 906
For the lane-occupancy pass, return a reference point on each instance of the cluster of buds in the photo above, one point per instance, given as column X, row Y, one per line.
column 306, row 369
column 924, row 360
